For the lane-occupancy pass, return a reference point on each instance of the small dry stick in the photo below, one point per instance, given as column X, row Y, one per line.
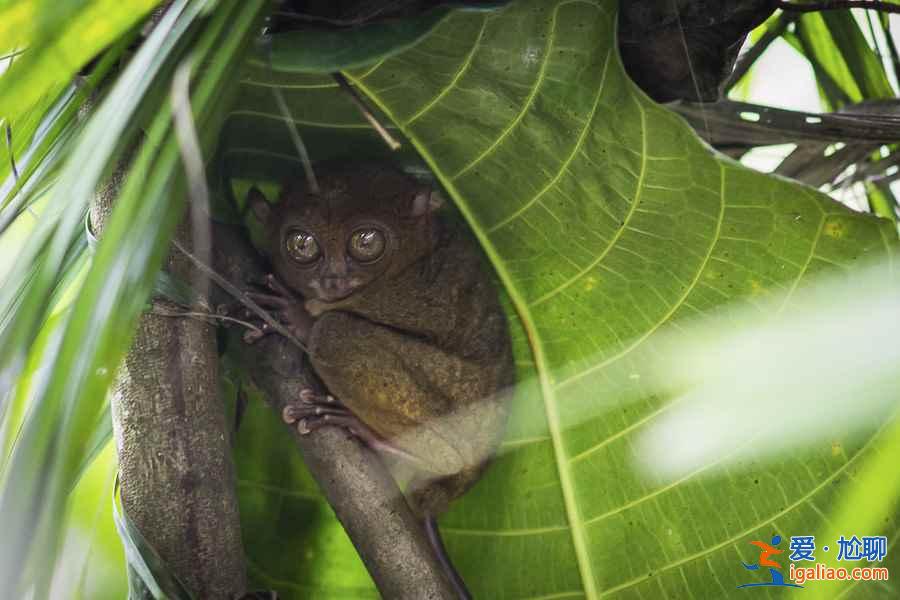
column 12, row 55
column 311, row 180
column 206, row 317
column 392, row 143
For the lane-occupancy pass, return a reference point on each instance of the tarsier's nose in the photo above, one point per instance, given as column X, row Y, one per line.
column 337, row 268
column 336, row 285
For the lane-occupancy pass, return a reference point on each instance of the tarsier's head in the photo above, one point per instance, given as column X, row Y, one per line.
column 367, row 221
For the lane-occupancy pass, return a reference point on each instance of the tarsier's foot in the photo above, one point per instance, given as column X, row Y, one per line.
column 313, row 411
column 284, row 306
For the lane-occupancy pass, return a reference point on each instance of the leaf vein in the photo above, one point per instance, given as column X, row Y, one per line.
column 564, row 167
column 618, row 234
column 677, row 305
column 462, row 71
column 528, row 101
column 748, row 530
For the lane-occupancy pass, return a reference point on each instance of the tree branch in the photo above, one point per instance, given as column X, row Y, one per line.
column 175, row 463
column 388, row 537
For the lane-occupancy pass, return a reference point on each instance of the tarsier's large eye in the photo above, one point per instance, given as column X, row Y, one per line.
column 302, row 246
column 366, row 245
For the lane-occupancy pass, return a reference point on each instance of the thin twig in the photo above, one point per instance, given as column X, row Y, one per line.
column 311, row 180
column 392, row 142
column 748, row 58
column 203, row 316
column 690, row 64
column 12, row 55
column 240, row 296
column 838, row 5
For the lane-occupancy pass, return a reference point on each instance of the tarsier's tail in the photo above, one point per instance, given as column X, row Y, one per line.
column 437, row 544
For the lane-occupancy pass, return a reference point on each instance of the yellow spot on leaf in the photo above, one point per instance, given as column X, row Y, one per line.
column 756, row 287
column 835, row 229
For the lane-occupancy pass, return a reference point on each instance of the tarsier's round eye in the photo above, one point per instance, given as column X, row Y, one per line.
column 366, row 245
column 302, row 247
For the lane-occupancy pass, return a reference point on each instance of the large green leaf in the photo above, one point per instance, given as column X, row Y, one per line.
column 608, row 223
column 622, row 226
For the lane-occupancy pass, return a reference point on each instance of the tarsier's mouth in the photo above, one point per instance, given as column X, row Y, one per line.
column 332, row 297
column 333, row 289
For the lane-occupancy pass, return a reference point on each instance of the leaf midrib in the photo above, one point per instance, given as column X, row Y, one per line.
column 567, row 487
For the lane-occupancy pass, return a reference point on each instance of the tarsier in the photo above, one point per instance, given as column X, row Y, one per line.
column 402, row 323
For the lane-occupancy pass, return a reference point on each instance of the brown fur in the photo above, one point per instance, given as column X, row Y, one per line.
column 419, row 349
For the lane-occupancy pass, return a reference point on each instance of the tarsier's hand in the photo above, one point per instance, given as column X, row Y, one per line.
column 286, row 307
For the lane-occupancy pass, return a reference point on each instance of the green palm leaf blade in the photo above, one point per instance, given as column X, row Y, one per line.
column 59, row 37
column 840, row 55
column 64, row 396
column 608, row 223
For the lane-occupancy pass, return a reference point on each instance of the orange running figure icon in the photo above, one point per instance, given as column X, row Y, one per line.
column 767, row 551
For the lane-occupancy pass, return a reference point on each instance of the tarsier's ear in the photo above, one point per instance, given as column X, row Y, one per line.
column 427, row 200
column 258, row 204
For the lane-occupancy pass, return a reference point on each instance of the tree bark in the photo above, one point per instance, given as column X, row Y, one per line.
column 175, row 466
column 685, row 49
